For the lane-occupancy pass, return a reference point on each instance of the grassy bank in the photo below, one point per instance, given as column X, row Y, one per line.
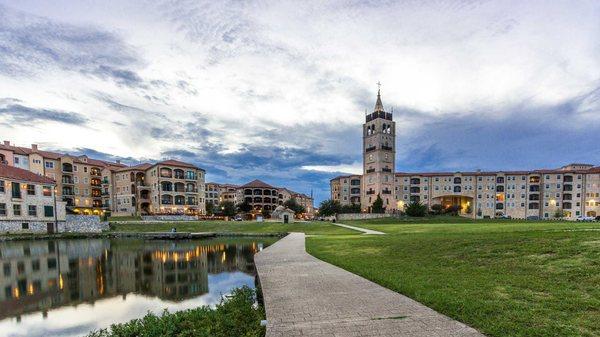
column 505, row 278
column 233, row 317
column 313, row 228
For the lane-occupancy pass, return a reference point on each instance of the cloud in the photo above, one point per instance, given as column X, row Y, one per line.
column 31, row 45
column 20, row 114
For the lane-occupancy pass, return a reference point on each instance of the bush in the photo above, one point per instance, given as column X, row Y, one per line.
column 415, row 208
column 378, row 205
column 437, row 209
column 232, row 317
column 353, row 208
column 454, row 209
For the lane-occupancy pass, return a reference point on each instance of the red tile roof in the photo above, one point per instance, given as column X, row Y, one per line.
column 257, row 183
column 19, row 174
column 140, row 167
column 172, row 162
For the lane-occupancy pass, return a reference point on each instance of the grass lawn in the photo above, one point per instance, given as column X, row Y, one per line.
column 311, row 228
column 505, row 278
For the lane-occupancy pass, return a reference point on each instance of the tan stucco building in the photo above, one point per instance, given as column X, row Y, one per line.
column 569, row 191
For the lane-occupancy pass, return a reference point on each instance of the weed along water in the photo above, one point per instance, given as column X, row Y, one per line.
column 71, row 287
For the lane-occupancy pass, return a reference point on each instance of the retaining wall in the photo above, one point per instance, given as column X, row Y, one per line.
column 361, row 216
column 72, row 224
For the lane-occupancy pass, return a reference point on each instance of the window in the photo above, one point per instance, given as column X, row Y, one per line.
column 32, row 210
column 25, row 225
column 48, row 211
column 16, row 190
column 85, row 169
column 2, row 186
column 16, row 210
column 47, row 191
column 30, row 189
column 49, row 165
column 3, row 209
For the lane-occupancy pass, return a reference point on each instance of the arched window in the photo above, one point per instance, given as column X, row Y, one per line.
column 178, row 174
column 456, row 189
column 179, row 187
column 384, row 128
column 166, row 186
column 457, row 180
column 166, row 199
column 179, row 200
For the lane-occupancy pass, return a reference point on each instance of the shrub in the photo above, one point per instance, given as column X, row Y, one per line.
column 329, row 207
column 353, row 208
column 232, row 317
column 454, row 209
column 437, row 209
column 415, row 208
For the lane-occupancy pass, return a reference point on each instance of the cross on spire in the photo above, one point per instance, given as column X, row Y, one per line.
column 378, row 104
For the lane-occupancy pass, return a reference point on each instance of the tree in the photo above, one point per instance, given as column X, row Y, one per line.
column 559, row 214
column 227, row 208
column 294, row 206
column 210, row 208
column 244, row 207
column 265, row 213
column 329, row 207
column 415, row 208
column 377, row 206
column 352, row 208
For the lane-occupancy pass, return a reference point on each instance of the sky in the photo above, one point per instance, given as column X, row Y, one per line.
column 277, row 90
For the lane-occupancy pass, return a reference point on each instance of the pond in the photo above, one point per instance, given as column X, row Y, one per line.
column 71, row 287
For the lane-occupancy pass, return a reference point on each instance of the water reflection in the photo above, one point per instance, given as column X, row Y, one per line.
column 68, row 287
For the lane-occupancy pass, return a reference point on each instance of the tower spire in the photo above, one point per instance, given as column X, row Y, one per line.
column 378, row 104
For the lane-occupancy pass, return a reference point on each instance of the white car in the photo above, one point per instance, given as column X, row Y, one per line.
column 586, row 218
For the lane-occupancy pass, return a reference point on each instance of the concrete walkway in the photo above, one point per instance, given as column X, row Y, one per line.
column 305, row 296
column 364, row 230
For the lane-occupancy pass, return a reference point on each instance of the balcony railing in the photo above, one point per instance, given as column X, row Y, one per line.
column 385, row 169
column 386, row 192
column 370, row 148
column 370, row 192
column 370, row 170
column 567, row 187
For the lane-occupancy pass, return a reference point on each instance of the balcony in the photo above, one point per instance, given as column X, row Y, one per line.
column 385, row 147
column 95, row 171
column 534, row 188
column 370, row 148
column 355, row 191
column 68, row 168
column 568, row 179
column 567, row 196
column 386, row 192
column 499, row 206
column 534, row 180
column 534, row 197
column 499, row 188
column 67, row 191
column 500, row 180
column 105, row 181
column 96, row 182
column 386, row 169
column 371, row 170
column 415, row 190
column 369, row 192
column 67, row 180
column 567, row 187
column 415, row 181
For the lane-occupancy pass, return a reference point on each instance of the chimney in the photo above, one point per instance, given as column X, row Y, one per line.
column 34, row 147
column 6, row 142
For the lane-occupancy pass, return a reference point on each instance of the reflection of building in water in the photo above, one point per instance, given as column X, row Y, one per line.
column 40, row 275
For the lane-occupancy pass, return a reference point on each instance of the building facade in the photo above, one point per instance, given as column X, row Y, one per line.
column 92, row 186
column 28, row 202
column 567, row 192
column 263, row 197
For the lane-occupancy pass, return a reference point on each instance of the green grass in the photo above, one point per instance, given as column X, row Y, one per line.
column 505, row 278
column 233, row 317
column 311, row 228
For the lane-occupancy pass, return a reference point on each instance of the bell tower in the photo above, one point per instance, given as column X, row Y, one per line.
column 379, row 157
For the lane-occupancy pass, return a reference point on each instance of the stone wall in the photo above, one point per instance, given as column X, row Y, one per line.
column 82, row 224
column 166, row 218
column 73, row 224
column 361, row 216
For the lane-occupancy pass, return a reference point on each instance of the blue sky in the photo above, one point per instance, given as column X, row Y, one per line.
column 278, row 90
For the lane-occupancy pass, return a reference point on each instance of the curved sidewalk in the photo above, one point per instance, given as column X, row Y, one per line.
column 305, row 296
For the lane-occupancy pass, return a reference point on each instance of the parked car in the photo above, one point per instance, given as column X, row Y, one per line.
column 238, row 218
column 504, row 216
column 586, row 218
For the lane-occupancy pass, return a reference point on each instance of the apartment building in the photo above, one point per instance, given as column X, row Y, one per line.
column 28, row 201
column 567, row 192
column 166, row 187
column 92, row 186
column 78, row 178
column 262, row 196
